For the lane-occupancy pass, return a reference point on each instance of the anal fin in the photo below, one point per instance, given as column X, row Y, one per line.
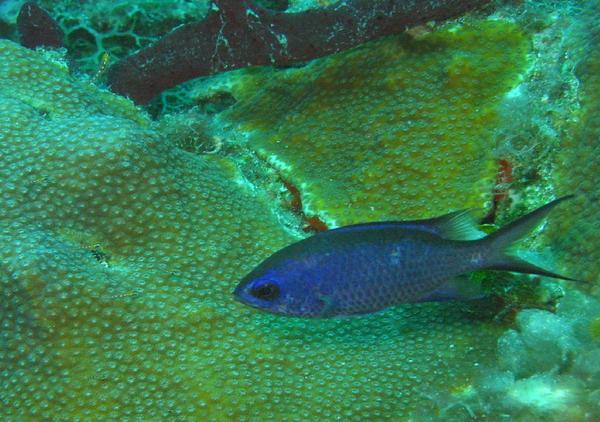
column 459, row 288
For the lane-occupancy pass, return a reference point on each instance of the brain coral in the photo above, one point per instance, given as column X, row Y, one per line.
column 396, row 118
column 118, row 254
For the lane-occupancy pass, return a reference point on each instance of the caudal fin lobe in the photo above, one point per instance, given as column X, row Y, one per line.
column 501, row 241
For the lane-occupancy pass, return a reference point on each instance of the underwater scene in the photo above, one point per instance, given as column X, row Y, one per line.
column 300, row 210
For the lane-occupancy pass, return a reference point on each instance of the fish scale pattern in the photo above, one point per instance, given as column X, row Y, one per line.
column 118, row 255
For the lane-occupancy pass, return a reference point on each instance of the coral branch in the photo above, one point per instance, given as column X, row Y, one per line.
column 237, row 33
column 37, row 28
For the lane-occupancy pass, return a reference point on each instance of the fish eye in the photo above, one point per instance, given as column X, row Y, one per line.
column 267, row 291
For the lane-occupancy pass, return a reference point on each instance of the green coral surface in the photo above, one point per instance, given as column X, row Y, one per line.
column 122, row 238
column 398, row 128
column 578, row 171
column 119, row 254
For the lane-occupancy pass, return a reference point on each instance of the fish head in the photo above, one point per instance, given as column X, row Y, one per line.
column 283, row 290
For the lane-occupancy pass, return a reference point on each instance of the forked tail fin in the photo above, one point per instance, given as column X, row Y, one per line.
column 500, row 242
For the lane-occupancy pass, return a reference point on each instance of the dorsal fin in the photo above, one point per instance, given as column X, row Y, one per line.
column 457, row 225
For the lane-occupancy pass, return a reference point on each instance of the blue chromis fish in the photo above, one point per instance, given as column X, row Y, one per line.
column 363, row 268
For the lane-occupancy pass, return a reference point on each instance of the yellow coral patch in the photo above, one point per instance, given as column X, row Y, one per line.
column 397, row 128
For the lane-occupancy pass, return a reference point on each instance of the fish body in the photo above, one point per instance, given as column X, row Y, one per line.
column 364, row 268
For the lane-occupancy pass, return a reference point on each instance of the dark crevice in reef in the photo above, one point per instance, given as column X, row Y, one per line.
column 216, row 103
column 99, row 254
column 500, row 194
column 267, row 178
column 275, row 5
column 312, row 223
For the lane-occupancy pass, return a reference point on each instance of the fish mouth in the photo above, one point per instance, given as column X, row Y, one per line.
column 237, row 293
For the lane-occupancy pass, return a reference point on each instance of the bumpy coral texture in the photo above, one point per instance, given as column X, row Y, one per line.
column 394, row 129
column 578, row 167
column 118, row 254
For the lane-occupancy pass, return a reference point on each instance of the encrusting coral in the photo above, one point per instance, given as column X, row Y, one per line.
column 121, row 240
column 393, row 130
column 119, row 252
column 578, row 166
